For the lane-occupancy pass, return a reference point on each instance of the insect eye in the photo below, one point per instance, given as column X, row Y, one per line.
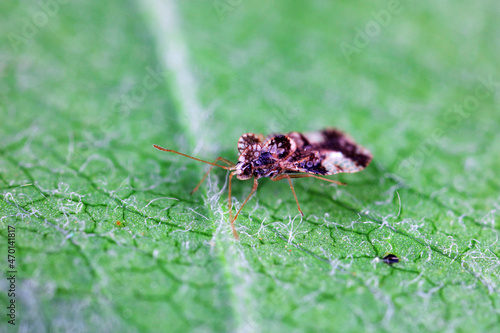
column 247, row 169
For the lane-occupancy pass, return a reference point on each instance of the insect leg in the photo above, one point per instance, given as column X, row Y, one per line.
column 230, row 206
column 307, row 175
column 302, row 175
column 254, row 188
column 231, row 164
column 291, row 187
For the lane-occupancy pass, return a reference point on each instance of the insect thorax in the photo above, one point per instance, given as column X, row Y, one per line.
column 262, row 165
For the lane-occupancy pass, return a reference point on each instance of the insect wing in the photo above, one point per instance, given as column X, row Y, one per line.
column 328, row 152
column 247, row 140
column 280, row 147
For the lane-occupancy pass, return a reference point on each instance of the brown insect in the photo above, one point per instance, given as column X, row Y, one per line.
column 292, row 155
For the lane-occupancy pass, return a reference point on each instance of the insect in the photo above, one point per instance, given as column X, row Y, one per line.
column 391, row 259
column 292, row 155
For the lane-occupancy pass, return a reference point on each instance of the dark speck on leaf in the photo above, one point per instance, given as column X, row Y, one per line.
column 390, row 259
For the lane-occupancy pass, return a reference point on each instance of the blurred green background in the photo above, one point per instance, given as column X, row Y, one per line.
column 108, row 237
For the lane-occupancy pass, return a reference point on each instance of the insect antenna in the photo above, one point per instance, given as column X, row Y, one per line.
column 231, row 167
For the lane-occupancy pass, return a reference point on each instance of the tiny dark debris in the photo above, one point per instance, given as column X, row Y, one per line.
column 391, row 259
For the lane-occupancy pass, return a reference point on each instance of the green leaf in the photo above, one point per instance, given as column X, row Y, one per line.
column 107, row 237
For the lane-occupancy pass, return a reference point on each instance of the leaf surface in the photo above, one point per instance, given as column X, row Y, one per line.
column 108, row 237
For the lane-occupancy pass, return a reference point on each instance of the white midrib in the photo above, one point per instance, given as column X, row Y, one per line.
column 174, row 56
